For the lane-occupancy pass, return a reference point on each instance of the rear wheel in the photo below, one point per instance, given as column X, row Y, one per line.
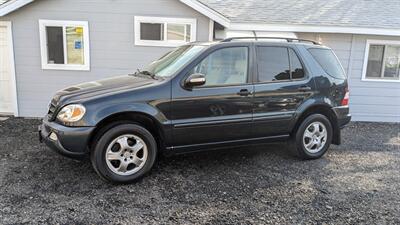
column 124, row 153
column 313, row 137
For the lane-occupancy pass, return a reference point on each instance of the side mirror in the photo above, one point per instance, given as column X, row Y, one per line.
column 196, row 79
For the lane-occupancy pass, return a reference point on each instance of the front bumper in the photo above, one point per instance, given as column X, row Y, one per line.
column 70, row 141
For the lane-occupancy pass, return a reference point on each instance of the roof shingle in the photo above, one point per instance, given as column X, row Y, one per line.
column 357, row 13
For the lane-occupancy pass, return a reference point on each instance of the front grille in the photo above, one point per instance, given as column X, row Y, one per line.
column 52, row 109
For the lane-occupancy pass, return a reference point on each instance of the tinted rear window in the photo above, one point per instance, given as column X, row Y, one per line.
column 328, row 62
column 273, row 64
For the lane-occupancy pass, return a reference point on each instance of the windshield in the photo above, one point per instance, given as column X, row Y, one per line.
column 174, row 60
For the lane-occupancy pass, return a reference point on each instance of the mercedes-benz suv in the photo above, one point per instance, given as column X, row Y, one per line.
column 199, row 96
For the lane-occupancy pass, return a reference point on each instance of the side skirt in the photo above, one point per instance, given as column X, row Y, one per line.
column 224, row 144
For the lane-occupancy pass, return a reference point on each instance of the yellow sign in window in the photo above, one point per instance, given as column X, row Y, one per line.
column 79, row 30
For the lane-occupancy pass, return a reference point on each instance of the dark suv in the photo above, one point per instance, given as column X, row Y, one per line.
column 200, row 96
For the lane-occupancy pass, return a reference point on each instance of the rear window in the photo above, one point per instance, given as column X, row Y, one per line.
column 328, row 62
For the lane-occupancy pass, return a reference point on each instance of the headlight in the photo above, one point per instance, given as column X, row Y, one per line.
column 71, row 113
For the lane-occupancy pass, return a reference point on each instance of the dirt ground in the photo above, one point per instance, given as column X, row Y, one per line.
column 357, row 182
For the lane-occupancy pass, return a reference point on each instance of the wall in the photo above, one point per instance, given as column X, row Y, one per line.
column 112, row 49
column 369, row 100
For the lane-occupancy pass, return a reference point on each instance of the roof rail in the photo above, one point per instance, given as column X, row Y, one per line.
column 271, row 38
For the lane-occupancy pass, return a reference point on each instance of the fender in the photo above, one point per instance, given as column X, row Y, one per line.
column 324, row 104
column 163, row 125
column 109, row 110
column 311, row 103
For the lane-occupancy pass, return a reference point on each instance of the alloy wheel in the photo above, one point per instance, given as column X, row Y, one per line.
column 315, row 137
column 126, row 154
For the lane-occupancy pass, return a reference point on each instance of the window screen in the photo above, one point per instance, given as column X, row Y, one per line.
column 55, row 45
column 152, row 31
column 375, row 60
column 225, row 66
column 328, row 61
column 273, row 64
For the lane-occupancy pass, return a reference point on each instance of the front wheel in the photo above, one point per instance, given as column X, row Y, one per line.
column 313, row 137
column 124, row 153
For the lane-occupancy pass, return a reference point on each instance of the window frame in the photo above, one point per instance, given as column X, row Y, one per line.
column 257, row 77
column 43, row 44
column 165, row 21
column 370, row 42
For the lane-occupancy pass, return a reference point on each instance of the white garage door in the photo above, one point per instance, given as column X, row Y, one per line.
column 6, row 71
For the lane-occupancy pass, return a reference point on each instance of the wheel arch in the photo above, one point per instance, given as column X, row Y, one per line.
column 146, row 120
column 323, row 109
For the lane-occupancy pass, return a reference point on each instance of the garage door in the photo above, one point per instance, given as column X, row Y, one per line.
column 6, row 69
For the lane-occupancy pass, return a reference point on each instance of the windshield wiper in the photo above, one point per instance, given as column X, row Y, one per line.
column 145, row 72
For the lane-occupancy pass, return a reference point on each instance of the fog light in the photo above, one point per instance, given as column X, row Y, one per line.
column 53, row 136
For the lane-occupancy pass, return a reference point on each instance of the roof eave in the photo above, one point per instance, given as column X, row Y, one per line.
column 13, row 5
column 207, row 11
column 315, row 29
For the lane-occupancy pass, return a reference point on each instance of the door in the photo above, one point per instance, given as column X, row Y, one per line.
column 281, row 86
column 221, row 109
column 6, row 70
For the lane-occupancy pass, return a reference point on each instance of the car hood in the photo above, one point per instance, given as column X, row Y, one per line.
column 103, row 87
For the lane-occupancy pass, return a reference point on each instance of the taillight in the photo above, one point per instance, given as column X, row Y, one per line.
column 346, row 97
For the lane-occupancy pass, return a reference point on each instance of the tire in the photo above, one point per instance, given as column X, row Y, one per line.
column 124, row 153
column 312, row 145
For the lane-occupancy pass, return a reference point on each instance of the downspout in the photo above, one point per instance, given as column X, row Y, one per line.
column 350, row 63
column 255, row 35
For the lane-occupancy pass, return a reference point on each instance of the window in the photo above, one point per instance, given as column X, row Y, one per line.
column 295, row 66
column 328, row 61
column 382, row 61
column 160, row 31
column 64, row 45
column 227, row 66
column 278, row 64
column 273, row 64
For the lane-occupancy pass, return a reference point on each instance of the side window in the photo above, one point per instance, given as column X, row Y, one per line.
column 225, row 66
column 295, row 66
column 328, row 61
column 273, row 64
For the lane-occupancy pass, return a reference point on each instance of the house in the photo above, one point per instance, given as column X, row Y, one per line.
column 47, row 45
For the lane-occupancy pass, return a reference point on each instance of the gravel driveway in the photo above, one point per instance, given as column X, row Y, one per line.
column 355, row 183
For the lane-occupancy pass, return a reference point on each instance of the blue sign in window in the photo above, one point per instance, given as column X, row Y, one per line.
column 78, row 44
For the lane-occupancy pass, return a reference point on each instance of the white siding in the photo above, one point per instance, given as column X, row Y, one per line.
column 112, row 49
column 369, row 101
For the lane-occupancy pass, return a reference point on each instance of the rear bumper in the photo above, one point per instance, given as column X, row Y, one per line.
column 343, row 115
column 343, row 118
column 68, row 141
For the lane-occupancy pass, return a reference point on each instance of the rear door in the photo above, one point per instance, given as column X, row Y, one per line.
column 221, row 109
column 282, row 84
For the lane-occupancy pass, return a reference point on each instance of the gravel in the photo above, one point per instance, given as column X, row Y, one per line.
column 357, row 182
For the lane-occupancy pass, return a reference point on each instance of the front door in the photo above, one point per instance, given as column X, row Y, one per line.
column 281, row 86
column 221, row 109
column 6, row 99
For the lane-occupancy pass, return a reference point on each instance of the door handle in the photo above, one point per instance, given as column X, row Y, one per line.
column 304, row 88
column 244, row 92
